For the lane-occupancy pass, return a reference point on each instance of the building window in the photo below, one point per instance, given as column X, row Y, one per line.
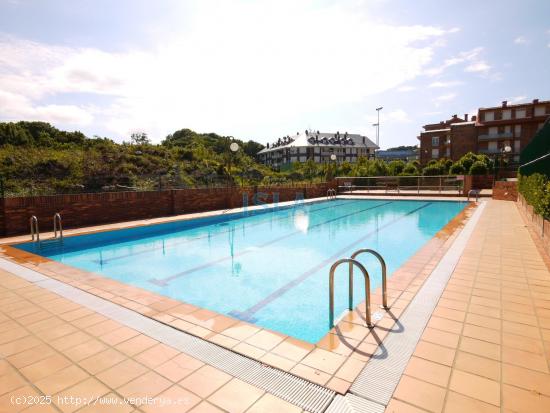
column 517, row 146
column 517, row 131
column 507, row 114
column 540, row 126
column 508, row 129
column 448, row 152
column 492, row 146
column 493, row 131
column 540, row 110
column 435, row 140
column 520, row 113
column 489, row 116
column 435, row 153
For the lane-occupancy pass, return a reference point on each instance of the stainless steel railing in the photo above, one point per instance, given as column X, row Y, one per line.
column 356, row 263
column 382, row 264
column 35, row 232
column 57, row 224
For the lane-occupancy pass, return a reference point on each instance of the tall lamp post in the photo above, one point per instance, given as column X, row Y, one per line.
column 498, row 158
column 233, row 148
column 378, row 125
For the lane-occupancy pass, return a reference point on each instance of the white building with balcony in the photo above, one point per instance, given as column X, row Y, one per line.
column 317, row 146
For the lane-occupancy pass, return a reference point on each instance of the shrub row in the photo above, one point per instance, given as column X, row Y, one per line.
column 535, row 189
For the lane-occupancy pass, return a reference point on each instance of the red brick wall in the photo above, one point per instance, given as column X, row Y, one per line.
column 505, row 190
column 79, row 210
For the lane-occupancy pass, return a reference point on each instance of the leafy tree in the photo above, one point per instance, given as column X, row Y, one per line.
column 396, row 168
column 139, row 138
column 478, row 168
column 457, row 169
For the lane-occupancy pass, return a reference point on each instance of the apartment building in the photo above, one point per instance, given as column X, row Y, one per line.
column 488, row 132
column 317, row 146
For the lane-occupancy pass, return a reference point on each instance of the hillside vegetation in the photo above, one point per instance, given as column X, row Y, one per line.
column 37, row 158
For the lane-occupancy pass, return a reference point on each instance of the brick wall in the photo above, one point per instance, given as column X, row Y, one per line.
column 540, row 226
column 80, row 210
column 505, row 190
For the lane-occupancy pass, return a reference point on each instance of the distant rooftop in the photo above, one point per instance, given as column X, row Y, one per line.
column 316, row 138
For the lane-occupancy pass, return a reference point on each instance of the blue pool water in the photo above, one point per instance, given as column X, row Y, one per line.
column 270, row 267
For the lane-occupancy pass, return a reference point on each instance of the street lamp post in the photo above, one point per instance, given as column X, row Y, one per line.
column 498, row 158
column 378, row 125
column 233, row 148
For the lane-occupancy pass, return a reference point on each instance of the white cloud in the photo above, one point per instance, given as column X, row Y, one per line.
column 236, row 68
column 406, row 88
column 462, row 57
column 441, row 84
column 520, row 40
column 398, row 115
column 478, row 67
column 445, row 98
column 515, row 99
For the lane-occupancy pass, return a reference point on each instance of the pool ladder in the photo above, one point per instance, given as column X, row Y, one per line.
column 353, row 262
column 57, row 226
column 331, row 193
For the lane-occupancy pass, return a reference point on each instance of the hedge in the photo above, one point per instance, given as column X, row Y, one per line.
column 535, row 189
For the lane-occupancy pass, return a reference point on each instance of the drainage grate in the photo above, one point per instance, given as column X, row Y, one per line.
column 353, row 404
column 302, row 393
column 380, row 376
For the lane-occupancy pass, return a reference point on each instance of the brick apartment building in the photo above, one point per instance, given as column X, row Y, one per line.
column 488, row 132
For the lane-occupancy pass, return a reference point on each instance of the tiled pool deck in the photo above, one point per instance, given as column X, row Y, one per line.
column 494, row 315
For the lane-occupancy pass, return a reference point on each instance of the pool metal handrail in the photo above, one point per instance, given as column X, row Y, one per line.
column 351, row 262
column 35, row 232
column 56, row 221
column 382, row 264
column 331, row 193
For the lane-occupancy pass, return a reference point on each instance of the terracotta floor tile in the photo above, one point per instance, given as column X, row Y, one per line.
column 270, row 404
column 265, row 339
column 311, row 374
column 85, row 350
column 481, row 348
column 440, row 337
column 350, row 369
column 481, row 333
column 206, row 407
column 118, row 336
column 483, row 321
column 61, row 379
column 156, row 355
column 240, row 331
column 435, row 352
column 70, row 340
column 293, row 349
column 121, row 373
column 205, row 381
column 176, row 400
column 136, row 345
column 476, row 387
column 249, row 350
column 429, row 371
column 22, row 392
column 324, row 360
column 525, row 359
column 530, row 380
column 522, row 343
column 458, row 403
column 19, row 345
column 518, row 400
column 338, row 385
column 478, row 365
column 11, row 381
column 236, row 396
column 278, row 361
column 397, row 406
column 520, row 329
column 421, row 394
column 149, row 384
column 45, row 367
column 445, row 324
column 179, row 367
column 101, row 361
column 85, row 390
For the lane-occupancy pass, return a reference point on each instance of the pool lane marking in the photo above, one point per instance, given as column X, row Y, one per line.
column 265, row 221
column 165, row 281
column 247, row 315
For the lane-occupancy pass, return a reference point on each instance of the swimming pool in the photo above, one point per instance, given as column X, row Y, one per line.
column 269, row 267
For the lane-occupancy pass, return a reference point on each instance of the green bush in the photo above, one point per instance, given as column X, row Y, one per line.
column 535, row 189
column 433, row 169
column 457, row 169
column 478, row 168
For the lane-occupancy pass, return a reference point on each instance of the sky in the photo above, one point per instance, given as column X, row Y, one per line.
column 265, row 69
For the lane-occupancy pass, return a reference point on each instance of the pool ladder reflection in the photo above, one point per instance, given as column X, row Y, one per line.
column 353, row 262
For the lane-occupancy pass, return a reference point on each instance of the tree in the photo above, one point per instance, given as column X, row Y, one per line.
column 457, row 169
column 139, row 138
column 396, row 168
column 478, row 168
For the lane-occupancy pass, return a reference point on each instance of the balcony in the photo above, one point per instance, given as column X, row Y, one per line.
column 494, row 136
